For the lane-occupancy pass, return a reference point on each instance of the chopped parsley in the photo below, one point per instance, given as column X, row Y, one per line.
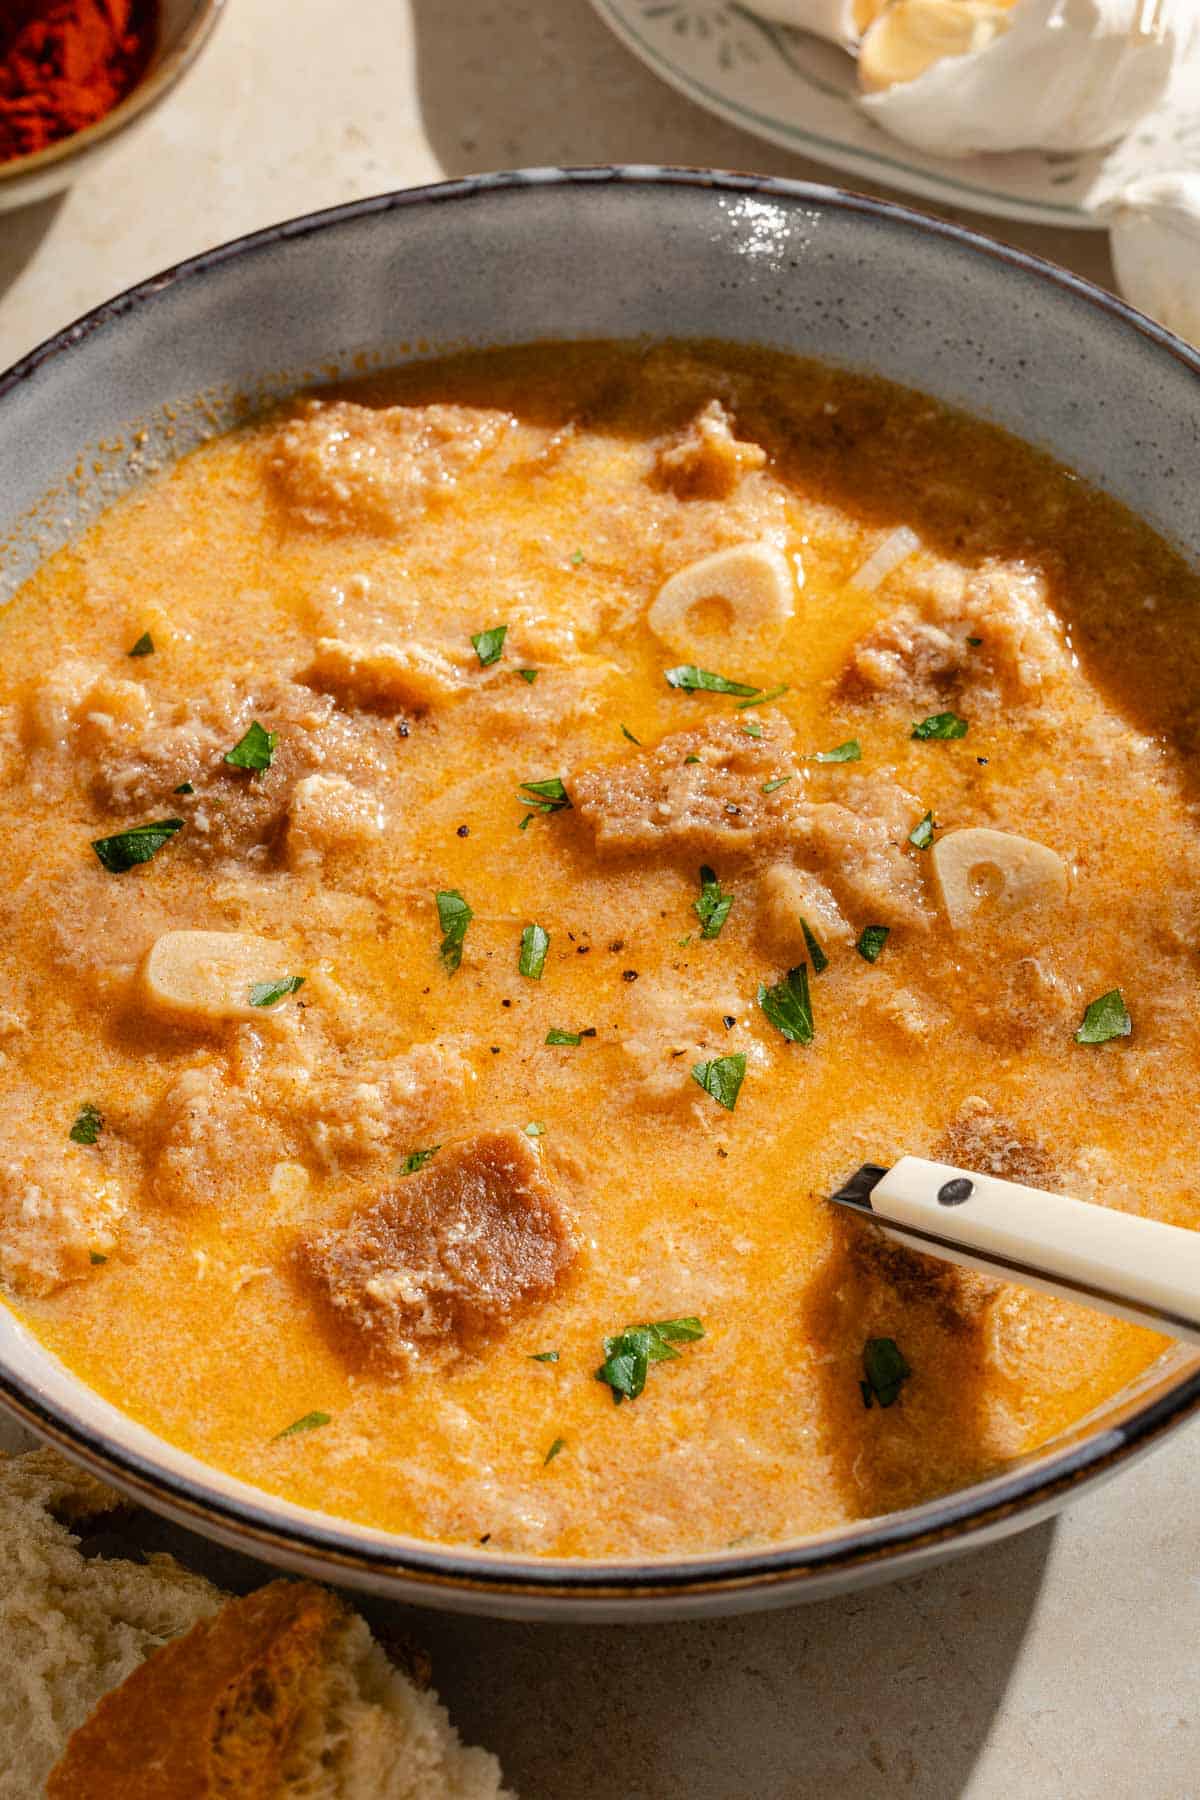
column 88, row 1125
column 255, row 751
column 752, row 728
column 552, row 1452
column 548, row 796
column 771, row 787
column 788, row 1006
column 885, row 1369
column 850, row 751
column 417, row 1159
column 143, row 647
column 702, row 681
column 820, row 961
column 760, row 698
column 576, row 558
column 529, row 675
column 546, row 1356
column 690, row 759
column 489, row 645
column 713, row 907
column 96, row 1256
column 626, row 733
column 185, row 787
column 555, row 1036
column 628, row 1355
column 270, row 993
column 871, row 940
column 125, row 849
column 454, row 915
column 722, row 1078
column 1108, row 1017
column 921, row 835
column 534, row 1129
column 309, row 1422
column 534, row 944
column 941, row 725
column 974, row 642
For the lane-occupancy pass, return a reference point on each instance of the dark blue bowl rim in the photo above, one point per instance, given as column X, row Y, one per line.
column 1033, row 1487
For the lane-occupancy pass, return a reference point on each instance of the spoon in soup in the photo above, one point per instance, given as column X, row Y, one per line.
column 1134, row 1268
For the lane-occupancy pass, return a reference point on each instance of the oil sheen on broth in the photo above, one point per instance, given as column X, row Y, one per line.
column 403, row 1205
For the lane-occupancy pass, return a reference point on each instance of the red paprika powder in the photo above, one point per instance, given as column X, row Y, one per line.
column 65, row 63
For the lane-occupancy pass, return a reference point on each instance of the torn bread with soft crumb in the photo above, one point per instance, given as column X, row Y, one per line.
column 140, row 1681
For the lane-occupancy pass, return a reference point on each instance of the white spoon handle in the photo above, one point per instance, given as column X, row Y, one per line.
column 1134, row 1268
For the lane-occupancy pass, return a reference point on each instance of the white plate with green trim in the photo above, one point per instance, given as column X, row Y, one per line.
column 798, row 91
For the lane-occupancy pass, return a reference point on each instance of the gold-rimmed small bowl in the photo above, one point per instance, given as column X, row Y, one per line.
column 184, row 28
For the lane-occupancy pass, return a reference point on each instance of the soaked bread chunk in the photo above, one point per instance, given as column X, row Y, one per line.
column 449, row 1257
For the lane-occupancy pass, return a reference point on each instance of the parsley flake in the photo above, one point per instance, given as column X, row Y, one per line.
column 309, row 1422
column 713, row 907
column 489, row 645
column 626, row 733
column 771, row 787
column 270, row 993
column 788, row 1006
column 885, row 1369
column 921, row 835
column 628, row 1355
column 534, row 1129
column 529, row 675
column 702, row 681
column 552, row 1452
column 544, row 1356
column 255, row 751
column 417, row 1159
column 576, row 558
column 850, row 751
column 941, row 725
column 1106, row 1018
column 454, row 915
column 96, row 1256
column 871, row 940
column 752, row 728
column 534, row 944
column 974, row 642
column 555, row 1036
column 820, row 961
column 761, row 699
column 143, row 647
column 548, row 796
column 126, row 849
column 185, row 787
column 88, row 1125
column 722, row 1078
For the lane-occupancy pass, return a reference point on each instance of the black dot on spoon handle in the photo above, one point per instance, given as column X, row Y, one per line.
column 953, row 1193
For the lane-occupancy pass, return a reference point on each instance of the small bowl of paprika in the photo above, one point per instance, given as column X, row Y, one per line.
column 76, row 74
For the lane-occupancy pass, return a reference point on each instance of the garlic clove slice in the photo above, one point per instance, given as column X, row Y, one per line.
column 977, row 869
column 1062, row 75
column 738, row 597
column 841, row 21
column 206, row 976
column 1154, row 226
column 911, row 35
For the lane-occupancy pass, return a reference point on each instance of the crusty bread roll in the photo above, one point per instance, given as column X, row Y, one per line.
column 128, row 1681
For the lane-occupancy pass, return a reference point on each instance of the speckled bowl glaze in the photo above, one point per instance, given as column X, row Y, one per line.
column 612, row 253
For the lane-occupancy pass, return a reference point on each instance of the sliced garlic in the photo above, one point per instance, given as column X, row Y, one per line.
column 738, row 596
column 1155, row 231
column 841, row 21
column 208, row 975
column 977, row 868
column 1048, row 74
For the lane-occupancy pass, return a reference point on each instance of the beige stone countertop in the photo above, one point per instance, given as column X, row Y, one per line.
column 1063, row 1663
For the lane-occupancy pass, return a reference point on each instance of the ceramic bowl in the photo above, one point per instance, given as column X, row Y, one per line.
column 183, row 30
column 605, row 253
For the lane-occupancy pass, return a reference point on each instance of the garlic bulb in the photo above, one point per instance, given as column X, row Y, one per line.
column 1047, row 74
column 1155, row 234
column 841, row 21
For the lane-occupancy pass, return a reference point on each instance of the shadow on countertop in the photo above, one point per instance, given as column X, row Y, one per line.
column 21, row 233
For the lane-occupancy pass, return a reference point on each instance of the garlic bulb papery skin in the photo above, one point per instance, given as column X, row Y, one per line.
column 841, row 21
column 1055, row 75
column 1154, row 227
